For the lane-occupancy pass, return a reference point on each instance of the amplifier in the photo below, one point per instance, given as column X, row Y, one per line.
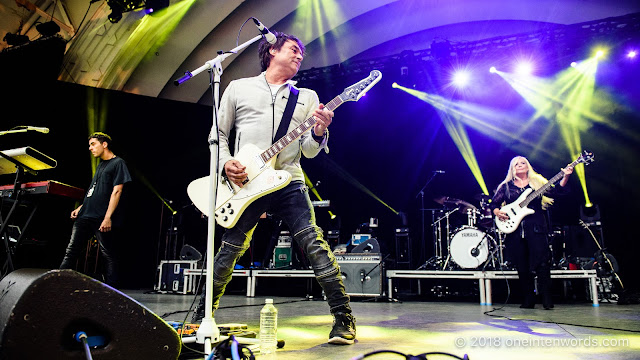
column 361, row 273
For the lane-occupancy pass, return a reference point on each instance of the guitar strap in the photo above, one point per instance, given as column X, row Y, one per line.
column 288, row 113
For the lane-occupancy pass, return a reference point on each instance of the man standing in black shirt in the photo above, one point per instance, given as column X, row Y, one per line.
column 97, row 214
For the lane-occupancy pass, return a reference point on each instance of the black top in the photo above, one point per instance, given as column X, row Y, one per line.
column 109, row 174
column 535, row 222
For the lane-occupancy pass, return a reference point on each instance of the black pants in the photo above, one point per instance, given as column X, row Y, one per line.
column 83, row 230
column 532, row 258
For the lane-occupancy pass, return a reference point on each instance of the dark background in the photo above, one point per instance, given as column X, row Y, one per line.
column 389, row 141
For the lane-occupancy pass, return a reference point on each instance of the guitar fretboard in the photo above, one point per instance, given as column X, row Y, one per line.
column 546, row 186
column 294, row 134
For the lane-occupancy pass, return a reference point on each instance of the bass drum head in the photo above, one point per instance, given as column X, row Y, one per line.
column 464, row 247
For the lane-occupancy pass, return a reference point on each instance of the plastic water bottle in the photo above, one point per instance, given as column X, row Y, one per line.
column 268, row 327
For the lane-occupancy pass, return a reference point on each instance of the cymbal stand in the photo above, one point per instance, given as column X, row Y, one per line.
column 438, row 256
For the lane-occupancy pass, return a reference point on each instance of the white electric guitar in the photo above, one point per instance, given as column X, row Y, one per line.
column 518, row 209
column 262, row 178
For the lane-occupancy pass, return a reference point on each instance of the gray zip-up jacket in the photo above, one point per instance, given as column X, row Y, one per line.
column 247, row 105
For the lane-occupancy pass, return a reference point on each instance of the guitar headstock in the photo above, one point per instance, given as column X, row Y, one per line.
column 586, row 158
column 584, row 225
column 357, row 90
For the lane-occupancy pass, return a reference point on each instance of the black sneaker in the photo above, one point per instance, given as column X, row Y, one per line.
column 198, row 315
column 344, row 329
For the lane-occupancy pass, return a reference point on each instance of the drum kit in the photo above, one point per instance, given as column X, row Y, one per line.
column 478, row 244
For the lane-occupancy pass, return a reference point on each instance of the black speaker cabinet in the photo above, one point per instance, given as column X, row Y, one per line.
column 361, row 273
column 41, row 311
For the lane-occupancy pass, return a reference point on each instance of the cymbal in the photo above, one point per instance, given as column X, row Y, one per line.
column 461, row 204
column 442, row 200
column 464, row 206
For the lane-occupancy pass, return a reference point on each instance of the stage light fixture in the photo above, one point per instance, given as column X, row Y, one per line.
column 493, row 70
column 153, row 6
column 48, row 28
column 118, row 7
column 15, row 39
column 632, row 54
column 574, row 64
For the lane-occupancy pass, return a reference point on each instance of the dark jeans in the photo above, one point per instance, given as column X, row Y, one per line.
column 83, row 230
column 293, row 206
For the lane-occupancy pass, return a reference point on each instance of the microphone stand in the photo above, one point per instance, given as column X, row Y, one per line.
column 208, row 332
column 422, row 209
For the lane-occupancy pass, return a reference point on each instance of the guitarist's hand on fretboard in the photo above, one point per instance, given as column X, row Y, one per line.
column 323, row 117
column 235, row 172
column 567, row 171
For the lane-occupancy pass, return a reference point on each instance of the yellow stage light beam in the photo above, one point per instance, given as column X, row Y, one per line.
column 143, row 179
column 566, row 101
column 346, row 176
column 97, row 108
column 150, row 34
column 315, row 18
column 313, row 189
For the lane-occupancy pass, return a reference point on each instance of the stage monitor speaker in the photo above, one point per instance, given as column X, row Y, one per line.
column 361, row 274
column 188, row 252
column 42, row 310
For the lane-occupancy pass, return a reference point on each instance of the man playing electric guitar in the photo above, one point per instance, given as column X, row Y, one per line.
column 254, row 107
column 527, row 243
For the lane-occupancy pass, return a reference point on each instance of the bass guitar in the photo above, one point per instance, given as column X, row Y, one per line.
column 518, row 209
column 263, row 179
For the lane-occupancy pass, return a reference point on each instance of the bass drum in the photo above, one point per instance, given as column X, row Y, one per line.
column 468, row 247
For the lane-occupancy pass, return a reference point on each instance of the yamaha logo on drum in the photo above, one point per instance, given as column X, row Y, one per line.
column 469, row 234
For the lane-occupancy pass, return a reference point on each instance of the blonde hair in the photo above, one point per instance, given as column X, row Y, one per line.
column 535, row 180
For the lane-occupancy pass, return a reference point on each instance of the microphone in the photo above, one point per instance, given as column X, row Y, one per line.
column 438, row 171
column 268, row 35
column 43, row 130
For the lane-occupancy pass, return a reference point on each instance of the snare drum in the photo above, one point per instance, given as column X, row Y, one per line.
column 469, row 247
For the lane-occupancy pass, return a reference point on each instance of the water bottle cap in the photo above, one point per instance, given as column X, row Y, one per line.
column 268, row 301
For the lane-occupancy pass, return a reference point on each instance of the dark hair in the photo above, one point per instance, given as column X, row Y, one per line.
column 264, row 47
column 102, row 137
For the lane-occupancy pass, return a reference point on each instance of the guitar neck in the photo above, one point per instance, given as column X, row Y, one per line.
column 294, row 134
column 546, row 186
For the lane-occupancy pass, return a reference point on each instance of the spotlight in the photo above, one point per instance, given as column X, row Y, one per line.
column 47, row 29
column 394, row 85
column 574, row 64
column 153, row 6
column 493, row 70
column 118, row 7
column 632, row 54
column 115, row 16
column 524, row 69
column 461, row 78
column 15, row 39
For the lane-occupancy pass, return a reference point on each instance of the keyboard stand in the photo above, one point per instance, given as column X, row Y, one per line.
column 19, row 157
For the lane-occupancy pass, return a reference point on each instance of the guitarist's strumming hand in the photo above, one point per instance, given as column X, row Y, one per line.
column 323, row 117
column 501, row 215
column 235, row 172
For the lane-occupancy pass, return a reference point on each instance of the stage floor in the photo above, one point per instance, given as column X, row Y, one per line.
column 570, row 331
